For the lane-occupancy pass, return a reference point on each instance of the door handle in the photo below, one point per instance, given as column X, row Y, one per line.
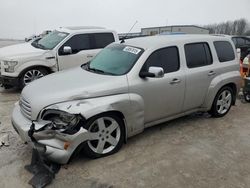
column 175, row 81
column 89, row 56
column 211, row 73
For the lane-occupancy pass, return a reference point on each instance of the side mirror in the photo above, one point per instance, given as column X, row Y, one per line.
column 153, row 72
column 67, row 50
column 238, row 50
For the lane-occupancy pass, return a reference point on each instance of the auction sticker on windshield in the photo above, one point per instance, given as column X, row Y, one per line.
column 131, row 50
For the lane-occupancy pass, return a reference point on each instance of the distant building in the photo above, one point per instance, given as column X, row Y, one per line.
column 129, row 35
column 188, row 29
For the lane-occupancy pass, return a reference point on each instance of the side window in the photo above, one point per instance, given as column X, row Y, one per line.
column 77, row 43
column 102, row 39
column 224, row 51
column 240, row 41
column 198, row 55
column 247, row 41
column 167, row 58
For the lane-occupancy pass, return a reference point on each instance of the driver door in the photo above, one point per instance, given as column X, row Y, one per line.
column 82, row 51
column 163, row 97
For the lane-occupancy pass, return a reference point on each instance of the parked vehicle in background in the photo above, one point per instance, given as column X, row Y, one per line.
column 127, row 87
column 61, row 49
column 243, row 43
column 30, row 38
column 33, row 37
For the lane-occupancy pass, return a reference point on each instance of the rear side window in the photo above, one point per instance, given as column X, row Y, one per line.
column 247, row 41
column 167, row 58
column 102, row 39
column 198, row 55
column 224, row 51
column 240, row 41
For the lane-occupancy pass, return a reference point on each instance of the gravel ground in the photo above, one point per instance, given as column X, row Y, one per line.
column 193, row 151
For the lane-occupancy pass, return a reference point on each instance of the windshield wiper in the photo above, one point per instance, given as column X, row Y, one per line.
column 37, row 45
column 87, row 67
column 40, row 46
column 94, row 69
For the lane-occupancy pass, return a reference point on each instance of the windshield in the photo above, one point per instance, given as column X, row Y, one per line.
column 50, row 41
column 115, row 59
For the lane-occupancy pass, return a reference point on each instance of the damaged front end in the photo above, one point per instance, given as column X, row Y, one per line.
column 58, row 122
column 55, row 135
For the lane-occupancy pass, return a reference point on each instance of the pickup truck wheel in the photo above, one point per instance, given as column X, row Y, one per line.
column 106, row 133
column 222, row 102
column 32, row 74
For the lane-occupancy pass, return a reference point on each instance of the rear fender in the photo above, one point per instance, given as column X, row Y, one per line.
column 217, row 83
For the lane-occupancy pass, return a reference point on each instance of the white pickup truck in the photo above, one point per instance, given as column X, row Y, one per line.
column 63, row 48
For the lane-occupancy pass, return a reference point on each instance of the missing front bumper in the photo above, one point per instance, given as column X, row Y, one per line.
column 44, row 171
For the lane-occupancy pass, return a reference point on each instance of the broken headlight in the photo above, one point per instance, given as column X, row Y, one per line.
column 61, row 120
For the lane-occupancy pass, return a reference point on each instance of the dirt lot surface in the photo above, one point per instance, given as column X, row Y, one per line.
column 193, row 151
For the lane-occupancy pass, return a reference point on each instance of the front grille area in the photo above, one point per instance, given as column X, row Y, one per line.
column 0, row 66
column 25, row 107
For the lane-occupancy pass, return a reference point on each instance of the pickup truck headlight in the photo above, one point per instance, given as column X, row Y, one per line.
column 60, row 120
column 9, row 66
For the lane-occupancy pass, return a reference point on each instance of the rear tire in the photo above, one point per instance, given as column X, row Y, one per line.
column 106, row 133
column 247, row 97
column 222, row 102
column 32, row 74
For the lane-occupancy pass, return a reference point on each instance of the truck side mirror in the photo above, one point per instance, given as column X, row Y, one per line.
column 67, row 50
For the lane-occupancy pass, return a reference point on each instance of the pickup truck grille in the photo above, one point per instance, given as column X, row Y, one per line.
column 25, row 107
column 0, row 66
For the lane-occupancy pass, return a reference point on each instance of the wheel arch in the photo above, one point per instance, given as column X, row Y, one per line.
column 118, row 114
column 35, row 66
column 212, row 92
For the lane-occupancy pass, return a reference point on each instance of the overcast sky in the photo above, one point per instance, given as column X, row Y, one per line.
column 20, row 18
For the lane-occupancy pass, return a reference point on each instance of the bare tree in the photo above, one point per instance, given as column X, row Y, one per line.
column 242, row 23
column 236, row 27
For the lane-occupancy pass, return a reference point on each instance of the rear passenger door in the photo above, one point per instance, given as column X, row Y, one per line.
column 199, row 74
column 84, row 48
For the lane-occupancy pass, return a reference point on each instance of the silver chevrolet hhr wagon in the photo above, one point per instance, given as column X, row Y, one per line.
column 127, row 87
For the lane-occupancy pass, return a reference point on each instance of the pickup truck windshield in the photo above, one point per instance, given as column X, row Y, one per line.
column 115, row 59
column 50, row 41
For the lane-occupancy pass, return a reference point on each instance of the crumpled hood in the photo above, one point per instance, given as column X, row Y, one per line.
column 17, row 51
column 71, row 84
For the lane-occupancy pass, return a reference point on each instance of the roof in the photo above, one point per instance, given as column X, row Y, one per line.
column 176, row 26
column 161, row 40
column 73, row 29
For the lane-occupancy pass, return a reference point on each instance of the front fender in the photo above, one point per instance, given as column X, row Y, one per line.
column 130, row 105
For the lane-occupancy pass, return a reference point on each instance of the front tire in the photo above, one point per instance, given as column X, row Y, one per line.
column 32, row 74
column 222, row 102
column 106, row 135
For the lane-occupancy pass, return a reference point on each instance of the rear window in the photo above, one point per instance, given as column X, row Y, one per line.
column 101, row 40
column 198, row 55
column 224, row 51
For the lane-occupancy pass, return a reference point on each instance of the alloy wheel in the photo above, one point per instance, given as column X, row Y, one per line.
column 224, row 102
column 105, row 134
column 32, row 75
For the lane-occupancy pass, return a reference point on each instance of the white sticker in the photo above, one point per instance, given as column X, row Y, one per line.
column 131, row 50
